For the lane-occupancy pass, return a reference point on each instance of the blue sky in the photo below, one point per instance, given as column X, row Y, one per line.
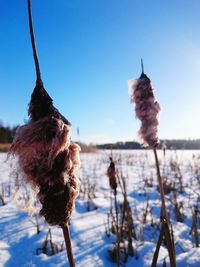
column 88, row 49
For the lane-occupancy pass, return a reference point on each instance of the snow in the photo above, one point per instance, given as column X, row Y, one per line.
column 19, row 241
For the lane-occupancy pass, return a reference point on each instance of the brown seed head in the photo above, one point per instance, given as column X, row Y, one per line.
column 147, row 109
column 48, row 160
column 111, row 173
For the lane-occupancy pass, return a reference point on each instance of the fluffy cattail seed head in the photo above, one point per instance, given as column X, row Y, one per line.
column 146, row 108
column 48, row 159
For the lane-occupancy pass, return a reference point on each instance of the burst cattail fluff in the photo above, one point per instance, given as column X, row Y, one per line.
column 111, row 173
column 47, row 158
column 147, row 109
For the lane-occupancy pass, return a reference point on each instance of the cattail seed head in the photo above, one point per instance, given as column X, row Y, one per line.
column 111, row 173
column 146, row 108
column 48, row 159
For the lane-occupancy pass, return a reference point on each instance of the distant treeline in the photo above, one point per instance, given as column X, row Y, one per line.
column 168, row 144
column 7, row 134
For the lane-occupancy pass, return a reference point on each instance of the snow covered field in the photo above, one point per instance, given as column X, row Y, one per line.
column 20, row 245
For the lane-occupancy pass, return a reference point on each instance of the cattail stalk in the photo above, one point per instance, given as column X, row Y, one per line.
column 112, row 175
column 37, row 66
column 39, row 81
column 117, row 232
column 165, row 231
column 47, row 157
column 195, row 228
column 160, row 239
column 160, row 183
column 147, row 110
column 68, row 245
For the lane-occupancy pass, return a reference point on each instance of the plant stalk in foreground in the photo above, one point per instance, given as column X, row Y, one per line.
column 165, row 230
column 68, row 245
column 147, row 110
column 47, row 157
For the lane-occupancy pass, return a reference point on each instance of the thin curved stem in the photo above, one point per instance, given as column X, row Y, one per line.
column 37, row 67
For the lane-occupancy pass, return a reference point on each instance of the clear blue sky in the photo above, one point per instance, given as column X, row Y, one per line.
column 88, row 49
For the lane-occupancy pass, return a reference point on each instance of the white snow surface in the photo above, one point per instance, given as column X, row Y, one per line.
column 19, row 241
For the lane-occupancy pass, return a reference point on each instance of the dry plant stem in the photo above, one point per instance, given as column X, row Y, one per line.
column 33, row 43
column 172, row 235
column 123, row 214
column 195, row 229
column 117, row 229
column 155, row 256
column 123, row 189
column 110, row 201
column 160, row 183
column 2, row 200
column 164, row 221
column 170, row 245
column 67, row 238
